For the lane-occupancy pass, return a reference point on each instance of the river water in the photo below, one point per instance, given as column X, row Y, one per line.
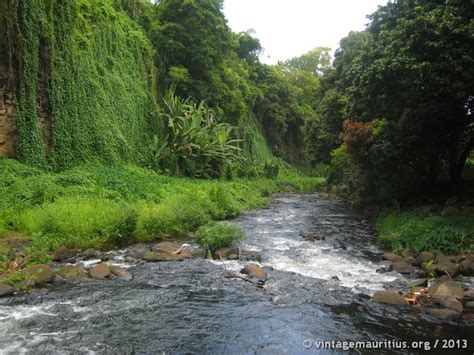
column 316, row 291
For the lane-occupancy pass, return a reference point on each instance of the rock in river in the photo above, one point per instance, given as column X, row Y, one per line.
column 446, row 288
column 254, row 270
column 393, row 257
column 6, row 290
column 121, row 273
column 389, row 297
column 402, row 267
column 100, row 271
column 39, row 274
column 312, row 235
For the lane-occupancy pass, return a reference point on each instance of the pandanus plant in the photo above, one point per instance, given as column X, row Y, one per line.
column 196, row 143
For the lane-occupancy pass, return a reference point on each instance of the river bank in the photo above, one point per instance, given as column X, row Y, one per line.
column 99, row 207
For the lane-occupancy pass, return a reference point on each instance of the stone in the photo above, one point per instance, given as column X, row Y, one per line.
column 419, row 283
column 423, row 257
column 253, row 270
column 451, row 303
column 445, row 267
column 6, row 290
column 122, row 273
column 163, row 256
column 62, row 254
column 470, row 304
column 389, row 297
column 443, row 313
column 225, row 253
column 168, row 247
column 393, row 257
column 402, row 267
column 73, row 272
column 311, row 235
column 444, row 287
column 100, row 271
column 466, row 267
column 91, row 254
column 251, row 255
column 39, row 274
column 469, row 294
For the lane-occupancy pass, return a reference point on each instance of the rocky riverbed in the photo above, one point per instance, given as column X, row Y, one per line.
column 309, row 269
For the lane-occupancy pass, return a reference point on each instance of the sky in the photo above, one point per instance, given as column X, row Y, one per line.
column 289, row 28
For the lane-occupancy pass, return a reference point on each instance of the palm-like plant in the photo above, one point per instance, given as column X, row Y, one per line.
column 196, row 143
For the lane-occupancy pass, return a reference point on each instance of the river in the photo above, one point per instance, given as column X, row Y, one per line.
column 316, row 291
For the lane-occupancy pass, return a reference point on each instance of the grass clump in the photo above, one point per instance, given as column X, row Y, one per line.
column 424, row 229
column 217, row 235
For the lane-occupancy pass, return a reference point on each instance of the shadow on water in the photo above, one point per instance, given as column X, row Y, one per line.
column 316, row 290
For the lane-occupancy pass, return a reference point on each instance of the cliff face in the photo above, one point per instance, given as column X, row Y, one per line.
column 76, row 83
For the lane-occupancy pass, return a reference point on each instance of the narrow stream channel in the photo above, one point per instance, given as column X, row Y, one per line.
column 316, row 290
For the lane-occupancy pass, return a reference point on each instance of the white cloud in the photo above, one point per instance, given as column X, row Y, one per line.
column 289, row 28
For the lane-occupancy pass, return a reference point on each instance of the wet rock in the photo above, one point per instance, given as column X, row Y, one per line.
column 225, row 253
column 393, row 257
column 423, row 257
column 122, row 273
column 419, row 283
column 470, row 304
column 6, row 290
column 451, row 303
column 197, row 252
column 39, row 274
column 402, row 267
column 445, row 267
column 443, row 313
column 163, row 256
column 469, row 294
column 73, row 272
column 466, row 267
column 100, row 271
column 62, row 254
column 311, row 235
column 254, row 270
column 444, row 287
column 138, row 251
column 388, row 297
column 251, row 255
column 90, row 254
column 167, row 247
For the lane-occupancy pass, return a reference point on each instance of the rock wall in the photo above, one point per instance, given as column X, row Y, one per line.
column 8, row 135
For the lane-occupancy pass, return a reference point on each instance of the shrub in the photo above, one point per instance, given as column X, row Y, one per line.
column 217, row 235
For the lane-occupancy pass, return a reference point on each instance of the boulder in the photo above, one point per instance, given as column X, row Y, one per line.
column 394, row 258
column 163, row 256
column 389, row 297
column 251, row 255
column 470, row 304
column 99, row 271
column 469, row 294
column 423, row 257
column 445, row 267
column 226, row 253
column 73, row 272
column 419, row 283
column 62, row 254
column 466, row 267
column 39, row 274
column 311, row 235
column 443, row 313
column 6, row 290
column 254, row 270
column 167, row 247
column 121, row 273
column 451, row 303
column 444, row 288
column 90, row 254
column 402, row 267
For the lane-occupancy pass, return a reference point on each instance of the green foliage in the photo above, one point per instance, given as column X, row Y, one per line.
column 217, row 235
column 425, row 230
column 196, row 144
column 93, row 75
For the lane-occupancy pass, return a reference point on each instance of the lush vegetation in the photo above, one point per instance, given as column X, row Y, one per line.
column 98, row 207
column 395, row 112
column 217, row 235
